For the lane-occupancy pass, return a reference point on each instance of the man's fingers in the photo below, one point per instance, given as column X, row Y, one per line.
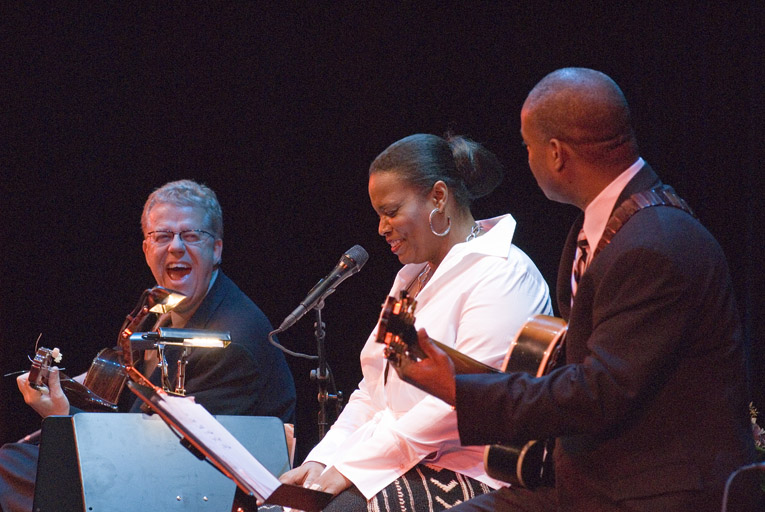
column 29, row 393
column 54, row 381
column 22, row 381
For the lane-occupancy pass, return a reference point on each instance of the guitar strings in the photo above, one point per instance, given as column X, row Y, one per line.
column 19, row 372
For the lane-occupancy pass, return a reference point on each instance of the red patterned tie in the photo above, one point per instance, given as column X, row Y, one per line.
column 580, row 261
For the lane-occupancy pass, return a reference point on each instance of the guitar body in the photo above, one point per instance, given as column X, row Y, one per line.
column 536, row 349
column 108, row 372
column 106, row 376
column 528, row 466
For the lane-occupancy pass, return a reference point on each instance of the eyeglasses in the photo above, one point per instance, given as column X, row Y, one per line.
column 188, row 236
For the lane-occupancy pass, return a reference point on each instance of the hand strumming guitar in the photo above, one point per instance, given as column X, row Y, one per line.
column 433, row 374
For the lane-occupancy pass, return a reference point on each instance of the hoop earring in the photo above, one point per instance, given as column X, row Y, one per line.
column 448, row 225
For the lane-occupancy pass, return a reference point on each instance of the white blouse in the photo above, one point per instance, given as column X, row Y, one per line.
column 476, row 301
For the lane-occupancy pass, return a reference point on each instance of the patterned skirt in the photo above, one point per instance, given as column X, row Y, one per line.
column 426, row 488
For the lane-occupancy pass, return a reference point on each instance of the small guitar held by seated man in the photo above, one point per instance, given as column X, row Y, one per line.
column 105, row 379
column 106, row 373
column 536, row 349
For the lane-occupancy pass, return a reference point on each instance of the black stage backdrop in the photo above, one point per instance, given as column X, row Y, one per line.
column 281, row 110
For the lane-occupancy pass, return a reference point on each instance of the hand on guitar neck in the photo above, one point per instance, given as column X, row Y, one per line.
column 432, row 367
column 433, row 374
column 419, row 360
column 50, row 392
column 46, row 400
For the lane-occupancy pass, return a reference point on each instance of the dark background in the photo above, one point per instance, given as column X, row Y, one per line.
column 281, row 110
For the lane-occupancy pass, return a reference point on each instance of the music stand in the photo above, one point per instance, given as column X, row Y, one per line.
column 207, row 438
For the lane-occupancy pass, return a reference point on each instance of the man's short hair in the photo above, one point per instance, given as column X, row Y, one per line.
column 187, row 193
column 586, row 108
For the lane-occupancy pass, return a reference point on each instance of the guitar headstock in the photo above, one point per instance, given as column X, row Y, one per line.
column 396, row 328
column 38, row 373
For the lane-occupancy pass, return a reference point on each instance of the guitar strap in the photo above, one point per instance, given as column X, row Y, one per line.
column 659, row 196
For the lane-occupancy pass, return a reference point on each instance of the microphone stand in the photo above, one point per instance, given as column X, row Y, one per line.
column 323, row 376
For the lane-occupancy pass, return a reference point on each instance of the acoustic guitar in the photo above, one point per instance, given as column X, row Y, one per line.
column 103, row 383
column 536, row 350
column 108, row 373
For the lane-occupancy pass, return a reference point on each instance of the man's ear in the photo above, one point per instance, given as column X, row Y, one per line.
column 557, row 154
column 218, row 251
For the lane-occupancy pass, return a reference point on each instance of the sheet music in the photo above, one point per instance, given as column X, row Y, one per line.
column 219, row 446
column 215, row 439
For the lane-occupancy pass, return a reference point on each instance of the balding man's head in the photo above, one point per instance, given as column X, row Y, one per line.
column 586, row 109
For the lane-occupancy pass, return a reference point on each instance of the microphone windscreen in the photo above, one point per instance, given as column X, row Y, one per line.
column 359, row 255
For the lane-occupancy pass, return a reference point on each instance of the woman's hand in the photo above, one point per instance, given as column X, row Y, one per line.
column 303, row 475
column 46, row 401
column 331, row 481
column 313, row 476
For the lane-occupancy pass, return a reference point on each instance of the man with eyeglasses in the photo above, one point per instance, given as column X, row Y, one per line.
column 183, row 243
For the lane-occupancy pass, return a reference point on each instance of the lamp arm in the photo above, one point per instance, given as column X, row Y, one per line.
column 131, row 324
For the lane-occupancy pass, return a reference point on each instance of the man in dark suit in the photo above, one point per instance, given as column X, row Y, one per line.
column 250, row 376
column 183, row 243
column 649, row 410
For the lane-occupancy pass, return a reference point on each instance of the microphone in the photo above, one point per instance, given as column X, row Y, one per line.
column 350, row 263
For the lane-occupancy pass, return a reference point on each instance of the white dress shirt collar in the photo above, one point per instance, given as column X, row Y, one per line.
column 598, row 212
column 497, row 240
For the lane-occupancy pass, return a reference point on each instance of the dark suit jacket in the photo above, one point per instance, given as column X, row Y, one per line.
column 653, row 399
column 250, row 376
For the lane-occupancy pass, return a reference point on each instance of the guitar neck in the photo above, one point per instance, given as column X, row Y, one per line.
column 396, row 330
column 465, row 364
